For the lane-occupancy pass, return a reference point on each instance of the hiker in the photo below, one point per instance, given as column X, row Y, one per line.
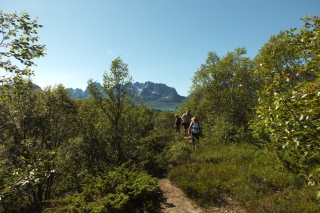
column 177, row 123
column 186, row 119
column 195, row 129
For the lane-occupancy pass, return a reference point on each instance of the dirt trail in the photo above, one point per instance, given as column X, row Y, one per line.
column 176, row 201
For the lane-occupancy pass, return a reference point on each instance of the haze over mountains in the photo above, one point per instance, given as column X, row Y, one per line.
column 152, row 94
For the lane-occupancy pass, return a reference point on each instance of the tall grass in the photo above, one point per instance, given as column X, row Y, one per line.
column 220, row 173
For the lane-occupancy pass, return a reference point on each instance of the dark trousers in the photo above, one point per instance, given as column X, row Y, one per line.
column 195, row 136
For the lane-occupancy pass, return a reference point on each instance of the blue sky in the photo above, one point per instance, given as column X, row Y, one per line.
column 163, row 41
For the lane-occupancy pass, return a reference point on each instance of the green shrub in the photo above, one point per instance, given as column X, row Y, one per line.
column 177, row 152
column 121, row 190
column 152, row 152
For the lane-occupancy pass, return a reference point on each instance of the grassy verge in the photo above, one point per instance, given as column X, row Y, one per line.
column 253, row 178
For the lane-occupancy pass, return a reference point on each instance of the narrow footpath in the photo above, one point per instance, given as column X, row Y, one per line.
column 175, row 199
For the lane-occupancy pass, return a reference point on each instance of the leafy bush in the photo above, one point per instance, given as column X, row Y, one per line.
column 289, row 98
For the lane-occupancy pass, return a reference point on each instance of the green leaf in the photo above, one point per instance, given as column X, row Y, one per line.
column 301, row 117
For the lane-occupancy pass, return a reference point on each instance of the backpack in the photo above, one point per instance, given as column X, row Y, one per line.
column 198, row 128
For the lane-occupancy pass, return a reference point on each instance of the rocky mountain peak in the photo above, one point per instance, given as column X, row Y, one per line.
column 148, row 91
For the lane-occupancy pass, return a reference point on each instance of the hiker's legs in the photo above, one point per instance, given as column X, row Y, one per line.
column 195, row 137
column 185, row 130
column 186, row 127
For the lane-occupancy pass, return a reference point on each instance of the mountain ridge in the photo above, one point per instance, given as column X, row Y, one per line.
column 150, row 93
